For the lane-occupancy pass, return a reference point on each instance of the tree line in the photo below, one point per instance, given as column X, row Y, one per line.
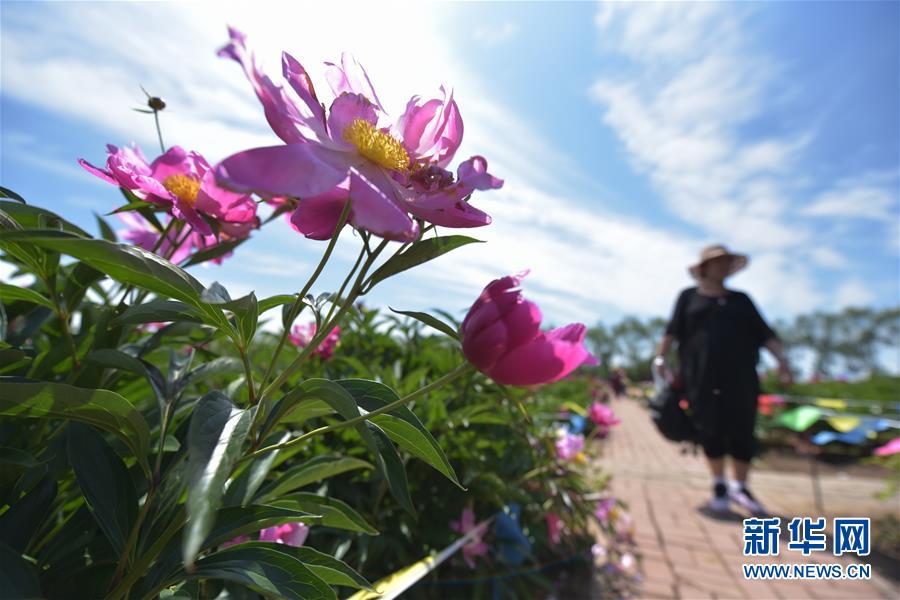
column 854, row 342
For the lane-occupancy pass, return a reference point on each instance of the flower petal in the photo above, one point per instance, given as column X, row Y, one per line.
column 350, row 77
column 300, row 81
column 176, row 161
column 317, row 217
column 549, row 357
column 375, row 207
column 472, row 175
column 345, row 109
column 299, row 170
column 101, row 173
column 281, row 112
column 448, row 208
column 485, row 342
column 503, row 292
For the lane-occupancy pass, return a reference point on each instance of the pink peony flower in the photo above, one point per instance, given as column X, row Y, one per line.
column 767, row 403
column 604, row 509
column 141, row 233
column 235, row 541
column 475, row 546
column 602, row 416
column 892, row 447
column 352, row 151
column 502, row 338
column 302, row 335
column 184, row 183
column 554, row 528
column 289, row 534
column 569, row 445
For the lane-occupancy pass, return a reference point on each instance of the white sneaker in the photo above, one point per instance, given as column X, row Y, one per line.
column 741, row 496
column 719, row 502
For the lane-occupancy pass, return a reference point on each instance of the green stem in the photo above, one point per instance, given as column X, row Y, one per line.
column 163, row 430
column 159, row 242
column 299, row 301
column 248, row 372
column 162, row 146
column 337, row 298
column 133, row 536
column 63, row 317
column 459, row 370
column 323, row 332
column 139, row 569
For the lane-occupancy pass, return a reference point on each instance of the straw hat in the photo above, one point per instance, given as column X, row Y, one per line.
column 738, row 261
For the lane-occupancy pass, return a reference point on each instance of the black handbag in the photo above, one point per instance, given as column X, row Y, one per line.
column 669, row 418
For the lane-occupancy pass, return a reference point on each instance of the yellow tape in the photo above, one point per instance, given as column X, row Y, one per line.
column 831, row 403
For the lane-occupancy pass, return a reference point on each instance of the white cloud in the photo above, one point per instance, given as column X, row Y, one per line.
column 682, row 117
column 496, row 35
column 827, row 257
column 869, row 196
column 853, row 292
column 547, row 217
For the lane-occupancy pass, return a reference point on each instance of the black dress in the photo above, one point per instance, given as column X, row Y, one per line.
column 718, row 348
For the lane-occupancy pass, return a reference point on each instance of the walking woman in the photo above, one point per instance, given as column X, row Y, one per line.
column 719, row 333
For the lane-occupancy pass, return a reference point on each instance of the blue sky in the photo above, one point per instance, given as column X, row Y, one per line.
column 628, row 135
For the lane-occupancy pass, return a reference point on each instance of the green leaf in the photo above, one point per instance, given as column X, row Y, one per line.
column 106, row 232
column 233, row 521
column 334, row 513
column 213, row 252
column 401, row 424
column 264, row 568
column 14, row 462
column 18, row 577
column 247, row 318
column 412, row 440
column 216, row 433
column 8, row 193
column 23, row 518
column 306, row 410
column 78, row 280
column 101, row 408
column 33, row 217
column 389, row 463
column 429, row 320
column 242, row 489
column 104, row 480
column 128, row 264
column 223, row 365
column 420, row 252
column 312, row 471
column 11, row 293
column 116, row 359
column 331, row 570
column 142, row 207
column 157, row 311
column 273, row 301
column 392, row 467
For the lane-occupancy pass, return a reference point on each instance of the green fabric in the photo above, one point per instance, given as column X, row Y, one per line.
column 801, row 418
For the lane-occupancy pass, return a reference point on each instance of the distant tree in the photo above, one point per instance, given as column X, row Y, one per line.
column 603, row 344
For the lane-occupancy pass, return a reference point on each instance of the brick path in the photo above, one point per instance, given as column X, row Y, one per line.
column 689, row 554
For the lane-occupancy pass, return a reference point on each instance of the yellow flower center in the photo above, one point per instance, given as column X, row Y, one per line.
column 183, row 187
column 375, row 145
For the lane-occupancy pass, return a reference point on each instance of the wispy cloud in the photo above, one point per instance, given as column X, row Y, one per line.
column 853, row 293
column 586, row 261
column 496, row 34
column 683, row 113
column 872, row 195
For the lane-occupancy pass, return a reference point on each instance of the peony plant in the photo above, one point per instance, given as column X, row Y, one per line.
column 154, row 441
